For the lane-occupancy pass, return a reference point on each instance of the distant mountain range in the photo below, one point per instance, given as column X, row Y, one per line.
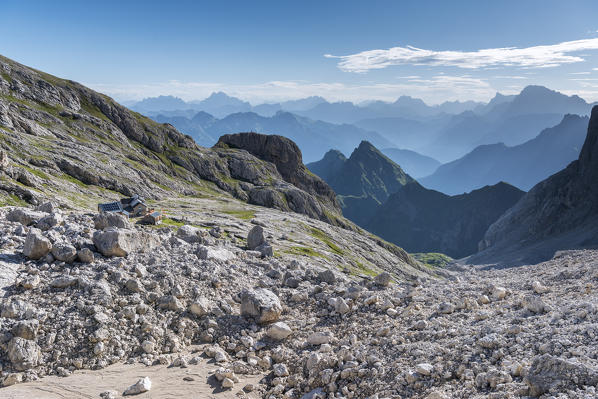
column 378, row 195
column 444, row 132
column 314, row 138
column 415, row 164
column 523, row 165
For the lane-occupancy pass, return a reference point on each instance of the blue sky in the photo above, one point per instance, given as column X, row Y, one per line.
column 263, row 51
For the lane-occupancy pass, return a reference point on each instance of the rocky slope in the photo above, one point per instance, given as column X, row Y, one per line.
column 61, row 139
column 425, row 220
column 523, row 165
column 363, row 181
column 290, row 325
column 560, row 212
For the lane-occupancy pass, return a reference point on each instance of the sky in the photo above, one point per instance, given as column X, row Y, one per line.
column 266, row 51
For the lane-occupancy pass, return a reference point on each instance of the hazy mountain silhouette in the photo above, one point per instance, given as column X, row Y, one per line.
column 314, row 138
column 522, row 166
column 415, row 164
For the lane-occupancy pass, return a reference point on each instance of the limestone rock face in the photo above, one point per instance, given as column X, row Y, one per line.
column 120, row 242
column 23, row 353
column 36, row 245
column 262, row 304
column 549, row 372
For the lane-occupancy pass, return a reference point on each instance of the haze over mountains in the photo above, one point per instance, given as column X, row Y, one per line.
column 523, row 165
column 378, row 195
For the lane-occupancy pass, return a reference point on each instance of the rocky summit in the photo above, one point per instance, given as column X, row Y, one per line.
column 243, row 279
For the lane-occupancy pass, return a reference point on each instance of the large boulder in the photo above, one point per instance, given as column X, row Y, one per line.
column 36, row 245
column 25, row 216
column 49, row 221
column 255, row 238
column 106, row 220
column 549, row 373
column 121, row 242
column 189, row 234
column 260, row 303
column 64, row 252
column 215, row 253
column 23, row 353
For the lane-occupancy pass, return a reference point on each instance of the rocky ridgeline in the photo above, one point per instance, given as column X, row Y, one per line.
column 58, row 137
column 93, row 290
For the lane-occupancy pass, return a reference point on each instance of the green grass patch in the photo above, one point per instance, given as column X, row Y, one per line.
column 73, row 180
column 304, row 251
column 433, row 259
column 240, row 213
column 6, row 77
column 320, row 235
column 12, row 200
column 37, row 172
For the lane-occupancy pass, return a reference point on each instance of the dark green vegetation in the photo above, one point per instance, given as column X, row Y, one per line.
column 433, row 259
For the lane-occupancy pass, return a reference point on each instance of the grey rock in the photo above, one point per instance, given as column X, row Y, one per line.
column 36, row 245
column 260, row 303
column 141, row 386
column 23, row 353
column 549, row 373
column 105, row 220
column 64, row 252
column 85, row 255
column 121, row 242
column 255, row 238
column 189, row 234
column 383, row 279
column 215, row 253
column 25, row 216
column 49, row 221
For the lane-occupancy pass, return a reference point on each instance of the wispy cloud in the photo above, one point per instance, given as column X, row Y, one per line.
column 528, row 57
column 432, row 90
column 580, row 73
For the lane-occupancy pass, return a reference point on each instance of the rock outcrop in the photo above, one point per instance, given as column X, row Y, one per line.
column 559, row 213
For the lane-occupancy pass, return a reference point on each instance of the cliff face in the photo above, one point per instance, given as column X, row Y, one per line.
column 560, row 212
column 286, row 156
column 61, row 137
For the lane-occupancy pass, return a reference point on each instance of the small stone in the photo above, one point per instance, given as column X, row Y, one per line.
column 143, row 385
column 85, row 255
column 539, row 288
column 64, row 252
column 424, row 368
column 319, row 338
column 260, row 303
column 383, row 279
column 280, row 370
column 227, row 383
column 279, row 330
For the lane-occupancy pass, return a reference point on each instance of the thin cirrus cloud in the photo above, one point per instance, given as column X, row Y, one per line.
column 528, row 57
